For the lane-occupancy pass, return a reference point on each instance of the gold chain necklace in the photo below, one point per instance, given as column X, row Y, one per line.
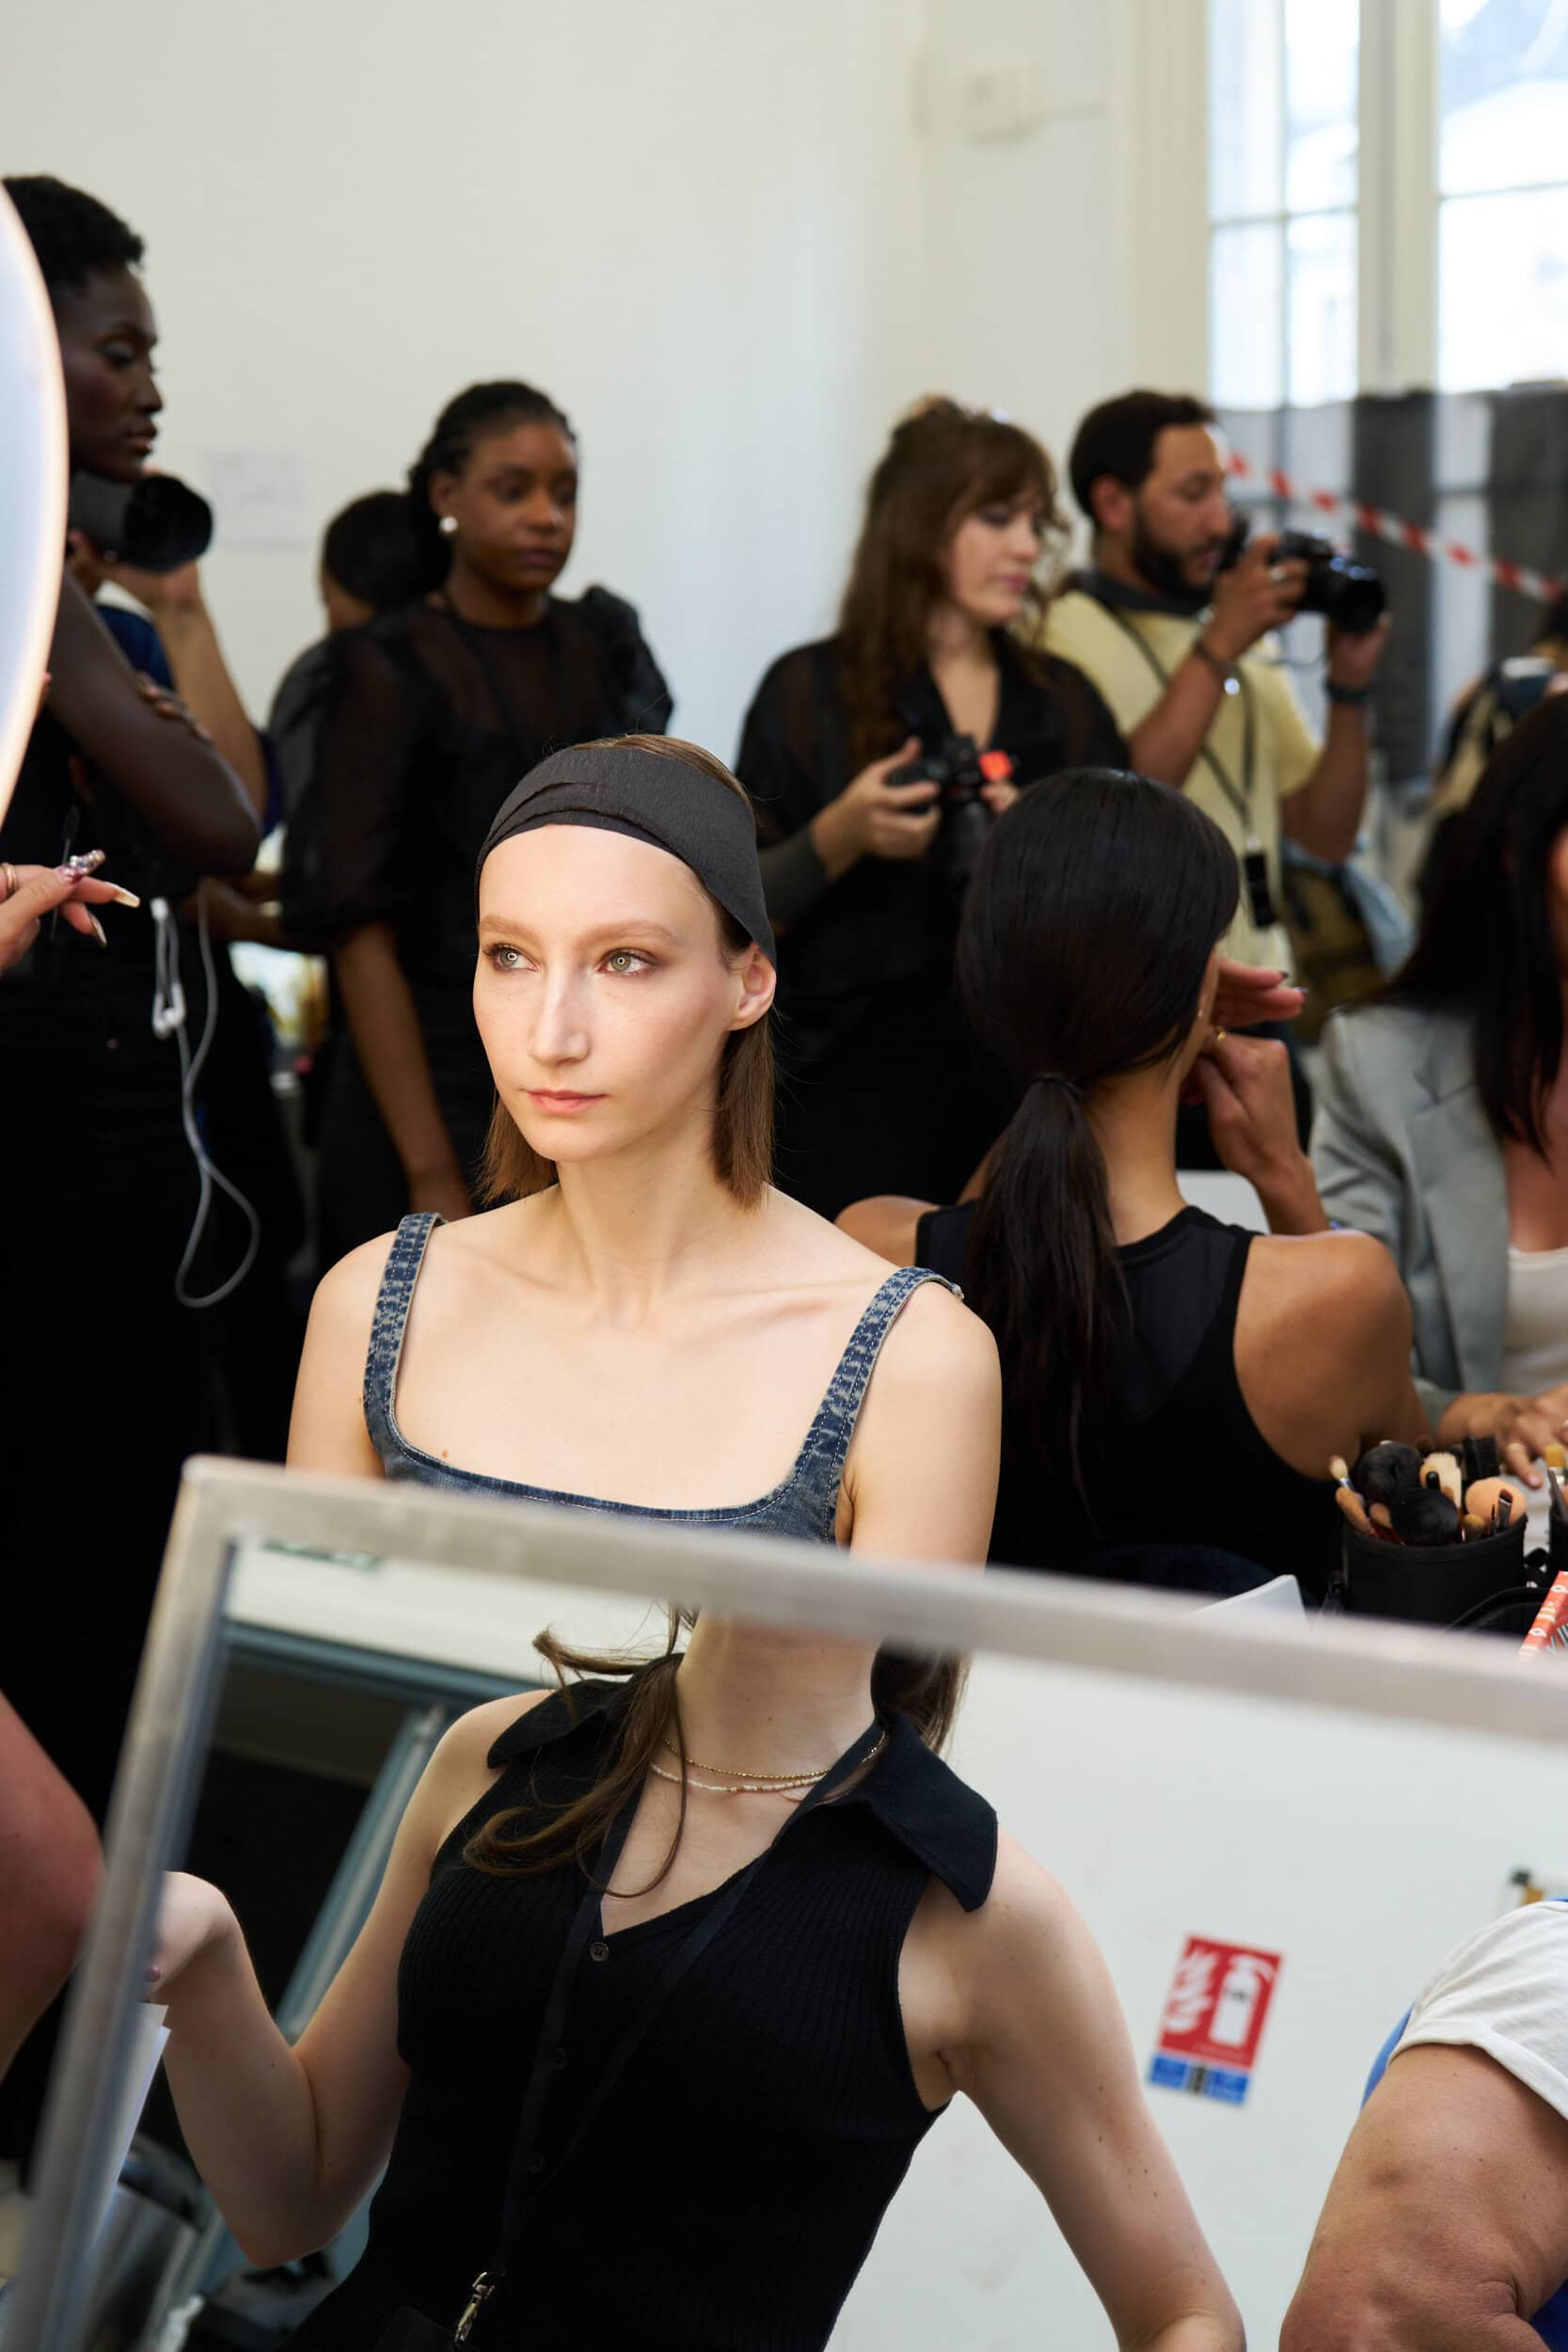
column 752, row 1785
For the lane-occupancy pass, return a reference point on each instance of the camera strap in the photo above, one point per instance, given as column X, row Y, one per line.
column 1253, row 862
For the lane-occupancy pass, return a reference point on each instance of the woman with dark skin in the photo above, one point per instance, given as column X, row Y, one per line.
column 98, row 1184
column 434, row 712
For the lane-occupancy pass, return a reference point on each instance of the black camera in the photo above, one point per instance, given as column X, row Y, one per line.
column 1348, row 593
column 958, row 768
column 157, row 523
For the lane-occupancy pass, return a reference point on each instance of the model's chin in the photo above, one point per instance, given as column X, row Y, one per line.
column 113, row 463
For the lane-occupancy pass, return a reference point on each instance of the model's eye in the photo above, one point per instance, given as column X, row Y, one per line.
column 622, row 962
column 504, row 958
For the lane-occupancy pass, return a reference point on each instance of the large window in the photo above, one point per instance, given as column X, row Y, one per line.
column 1283, row 184
column 1502, row 179
column 1434, row 252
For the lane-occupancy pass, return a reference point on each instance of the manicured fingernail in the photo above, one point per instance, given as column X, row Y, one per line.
column 85, row 862
column 98, row 931
column 124, row 897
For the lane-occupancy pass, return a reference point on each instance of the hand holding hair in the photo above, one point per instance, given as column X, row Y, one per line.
column 1248, row 994
column 1245, row 1083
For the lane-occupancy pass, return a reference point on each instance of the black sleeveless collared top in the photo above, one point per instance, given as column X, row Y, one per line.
column 726, row 2194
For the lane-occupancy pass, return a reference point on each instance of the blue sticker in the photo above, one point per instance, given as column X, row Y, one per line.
column 1171, row 2074
column 1219, row 2082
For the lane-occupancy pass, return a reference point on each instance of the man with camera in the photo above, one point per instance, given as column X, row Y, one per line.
column 1174, row 621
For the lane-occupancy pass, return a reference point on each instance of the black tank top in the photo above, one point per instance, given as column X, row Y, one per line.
column 726, row 2194
column 1187, row 1464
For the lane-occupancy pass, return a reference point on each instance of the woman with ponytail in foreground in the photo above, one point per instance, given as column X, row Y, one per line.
column 433, row 714
column 1169, row 1382
column 671, row 1969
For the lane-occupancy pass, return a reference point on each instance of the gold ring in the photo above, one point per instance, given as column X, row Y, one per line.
column 11, row 884
column 1219, row 1037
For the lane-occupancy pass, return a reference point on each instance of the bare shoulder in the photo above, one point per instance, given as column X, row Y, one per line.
column 886, row 1225
column 346, row 1295
column 1026, row 1941
column 1349, row 1282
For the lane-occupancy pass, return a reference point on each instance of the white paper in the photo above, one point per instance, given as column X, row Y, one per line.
column 146, row 2055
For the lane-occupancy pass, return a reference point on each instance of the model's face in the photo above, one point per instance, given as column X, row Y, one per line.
column 603, row 993
column 991, row 558
column 1175, row 525
column 107, row 337
column 514, row 506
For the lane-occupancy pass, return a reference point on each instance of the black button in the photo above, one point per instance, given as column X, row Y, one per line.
column 559, row 2060
column 598, row 1951
column 536, row 2165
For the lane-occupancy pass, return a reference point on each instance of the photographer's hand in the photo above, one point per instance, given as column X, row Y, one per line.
column 872, row 817
column 1353, row 660
column 1254, row 595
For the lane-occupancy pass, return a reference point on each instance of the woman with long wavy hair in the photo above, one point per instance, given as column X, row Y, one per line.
column 689, row 1953
column 866, row 873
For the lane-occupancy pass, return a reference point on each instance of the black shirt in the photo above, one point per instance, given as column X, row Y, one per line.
column 887, row 921
column 429, row 721
column 1186, row 1463
column 726, row 2194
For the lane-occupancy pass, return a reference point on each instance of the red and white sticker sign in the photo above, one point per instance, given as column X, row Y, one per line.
column 1213, row 2019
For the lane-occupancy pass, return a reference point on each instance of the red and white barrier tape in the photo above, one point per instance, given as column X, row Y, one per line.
column 1399, row 533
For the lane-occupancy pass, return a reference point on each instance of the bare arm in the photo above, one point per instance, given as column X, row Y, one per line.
column 289, row 2141
column 1048, row 2062
column 200, row 673
column 920, row 1482
column 190, row 796
column 327, row 1430
column 378, row 1005
column 1447, row 2222
column 1325, row 815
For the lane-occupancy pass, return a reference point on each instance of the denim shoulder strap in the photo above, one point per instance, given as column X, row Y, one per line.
column 819, row 1467
column 388, row 1325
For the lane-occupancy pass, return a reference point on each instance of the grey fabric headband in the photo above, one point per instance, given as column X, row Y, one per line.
column 650, row 797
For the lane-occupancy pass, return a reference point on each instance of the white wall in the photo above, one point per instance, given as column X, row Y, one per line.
column 733, row 237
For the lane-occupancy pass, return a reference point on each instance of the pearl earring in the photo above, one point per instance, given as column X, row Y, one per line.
column 449, row 522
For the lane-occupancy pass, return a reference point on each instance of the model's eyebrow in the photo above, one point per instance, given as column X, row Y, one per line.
column 602, row 936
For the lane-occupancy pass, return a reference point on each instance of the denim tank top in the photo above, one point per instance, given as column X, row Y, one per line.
column 803, row 1504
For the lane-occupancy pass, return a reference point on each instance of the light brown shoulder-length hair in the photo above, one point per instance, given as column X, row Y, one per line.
column 943, row 465
column 511, row 1168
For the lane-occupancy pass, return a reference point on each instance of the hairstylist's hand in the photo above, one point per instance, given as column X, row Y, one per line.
column 1248, row 995
column 872, row 817
column 1524, row 1426
column 1246, row 1084
column 167, row 703
column 1254, row 595
column 38, row 890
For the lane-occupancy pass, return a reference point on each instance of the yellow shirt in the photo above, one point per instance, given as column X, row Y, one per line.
column 1285, row 750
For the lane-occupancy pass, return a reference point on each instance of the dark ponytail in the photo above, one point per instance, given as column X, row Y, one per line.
column 482, row 409
column 1094, row 910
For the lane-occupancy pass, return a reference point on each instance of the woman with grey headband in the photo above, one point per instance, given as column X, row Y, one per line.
column 644, row 2051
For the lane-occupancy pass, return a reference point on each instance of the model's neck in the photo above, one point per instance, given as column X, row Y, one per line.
column 1133, row 1120
column 956, row 640
column 632, row 1230
column 473, row 597
column 756, row 1700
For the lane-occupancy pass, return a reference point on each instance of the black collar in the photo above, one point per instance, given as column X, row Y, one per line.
column 935, row 1815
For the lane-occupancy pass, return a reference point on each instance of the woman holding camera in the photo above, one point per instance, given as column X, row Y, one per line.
column 870, row 755
column 432, row 713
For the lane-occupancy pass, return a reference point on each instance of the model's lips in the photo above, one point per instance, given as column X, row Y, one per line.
column 552, row 1101
column 541, row 559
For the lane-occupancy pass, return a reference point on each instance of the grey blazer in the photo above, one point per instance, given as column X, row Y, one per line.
column 1403, row 1149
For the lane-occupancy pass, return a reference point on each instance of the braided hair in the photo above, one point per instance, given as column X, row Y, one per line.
column 71, row 232
column 482, row 409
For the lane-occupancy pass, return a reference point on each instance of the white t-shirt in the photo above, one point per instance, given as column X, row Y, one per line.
column 1506, row 1992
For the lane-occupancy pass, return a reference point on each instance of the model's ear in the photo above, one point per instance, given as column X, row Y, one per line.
column 759, row 984
column 1111, row 503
